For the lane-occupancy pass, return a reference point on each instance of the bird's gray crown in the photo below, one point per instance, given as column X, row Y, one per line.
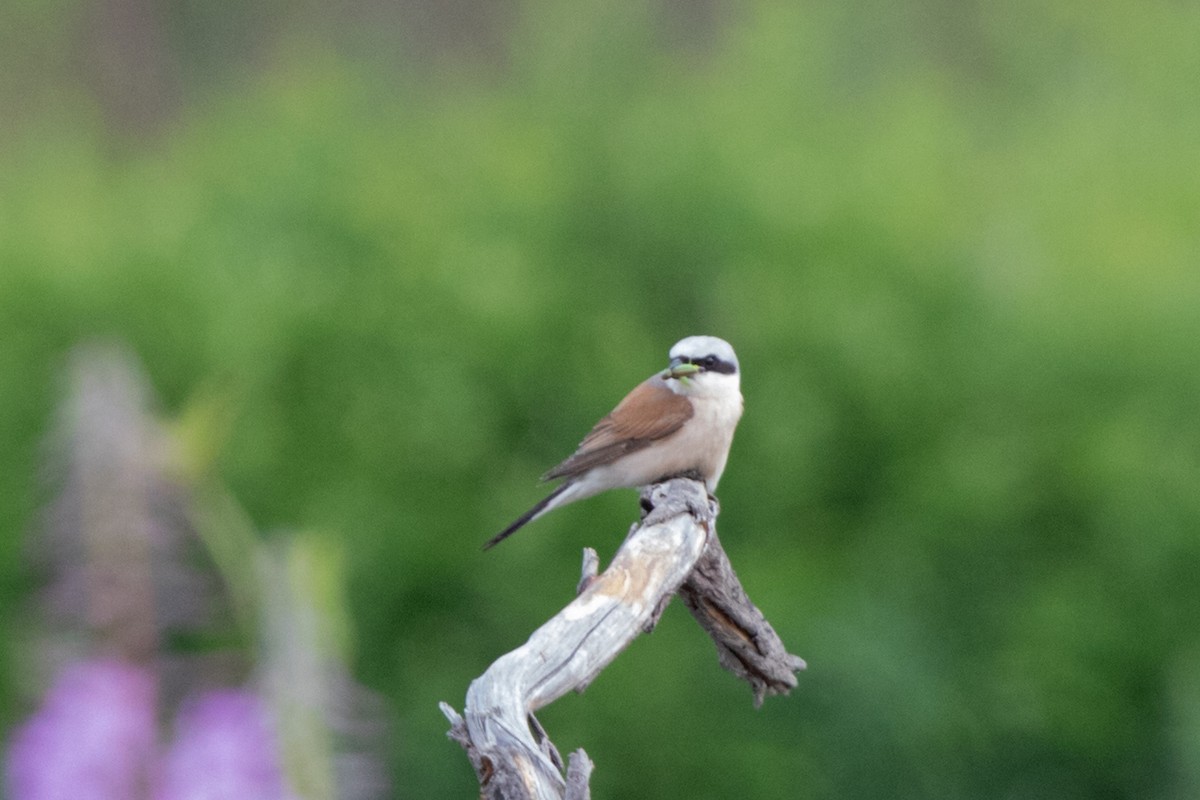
column 698, row 350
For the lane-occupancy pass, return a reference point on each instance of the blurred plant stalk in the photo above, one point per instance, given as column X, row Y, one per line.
column 139, row 634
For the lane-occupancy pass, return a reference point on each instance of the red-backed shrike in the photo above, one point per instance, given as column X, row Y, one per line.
column 679, row 421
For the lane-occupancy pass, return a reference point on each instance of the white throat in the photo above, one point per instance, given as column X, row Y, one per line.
column 713, row 385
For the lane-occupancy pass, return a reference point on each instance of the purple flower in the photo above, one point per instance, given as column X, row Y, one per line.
column 224, row 749
column 92, row 739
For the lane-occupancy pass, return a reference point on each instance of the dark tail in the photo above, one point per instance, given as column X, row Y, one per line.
column 524, row 518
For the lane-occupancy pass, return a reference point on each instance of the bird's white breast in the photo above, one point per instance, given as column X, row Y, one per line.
column 708, row 435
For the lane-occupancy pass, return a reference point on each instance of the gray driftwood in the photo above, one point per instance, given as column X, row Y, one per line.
column 674, row 548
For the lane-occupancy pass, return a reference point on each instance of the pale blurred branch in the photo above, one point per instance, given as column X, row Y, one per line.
column 116, row 540
column 127, row 577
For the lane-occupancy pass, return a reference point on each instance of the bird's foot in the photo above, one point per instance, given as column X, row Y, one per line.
column 661, row 501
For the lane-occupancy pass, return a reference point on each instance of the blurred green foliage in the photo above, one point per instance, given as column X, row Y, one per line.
column 957, row 246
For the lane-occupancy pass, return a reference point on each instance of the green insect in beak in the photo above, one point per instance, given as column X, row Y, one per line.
column 681, row 369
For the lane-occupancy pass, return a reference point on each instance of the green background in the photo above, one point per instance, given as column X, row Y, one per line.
column 416, row 251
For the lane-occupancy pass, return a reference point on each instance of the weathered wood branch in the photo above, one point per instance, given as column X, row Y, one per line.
column 674, row 548
column 746, row 643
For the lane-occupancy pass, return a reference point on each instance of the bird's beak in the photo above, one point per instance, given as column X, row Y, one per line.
column 681, row 369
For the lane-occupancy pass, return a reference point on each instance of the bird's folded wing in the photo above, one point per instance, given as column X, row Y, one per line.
column 649, row 413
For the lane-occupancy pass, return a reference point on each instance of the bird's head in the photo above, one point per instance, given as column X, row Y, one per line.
column 703, row 365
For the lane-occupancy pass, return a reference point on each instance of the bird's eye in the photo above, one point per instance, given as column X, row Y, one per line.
column 709, row 362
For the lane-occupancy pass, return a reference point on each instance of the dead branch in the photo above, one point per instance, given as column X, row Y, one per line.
column 746, row 643
column 674, row 548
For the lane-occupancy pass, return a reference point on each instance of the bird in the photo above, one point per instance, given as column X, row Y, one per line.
column 676, row 422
